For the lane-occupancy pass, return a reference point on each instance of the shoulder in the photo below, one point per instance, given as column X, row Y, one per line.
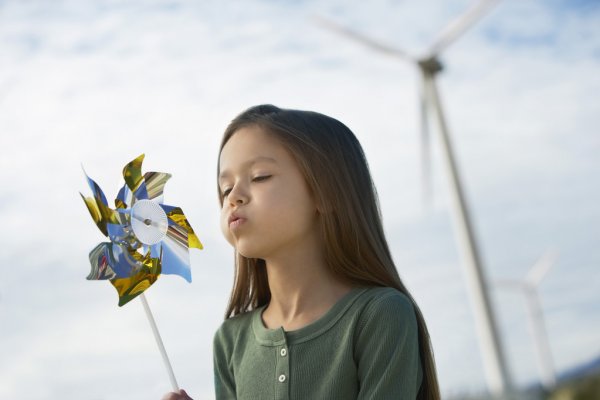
column 233, row 328
column 377, row 299
column 386, row 307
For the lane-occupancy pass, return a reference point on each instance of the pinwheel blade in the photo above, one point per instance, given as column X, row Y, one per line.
column 96, row 214
column 176, row 215
column 122, row 261
column 124, row 198
column 100, row 259
column 98, row 206
column 129, row 288
column 145, row 273
column 155, row 184
column 97, row 192
column 132, row 173
column 120, row 231
column 176, row 244
column 175, row 254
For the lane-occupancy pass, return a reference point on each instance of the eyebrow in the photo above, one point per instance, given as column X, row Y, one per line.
column 249, row 163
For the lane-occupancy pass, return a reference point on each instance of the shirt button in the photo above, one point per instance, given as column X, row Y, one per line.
column 281, row 378
column 283, row 352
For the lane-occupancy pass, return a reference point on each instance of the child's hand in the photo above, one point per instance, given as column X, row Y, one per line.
column 180, row 395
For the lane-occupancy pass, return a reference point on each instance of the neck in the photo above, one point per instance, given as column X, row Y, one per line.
column 302, row 289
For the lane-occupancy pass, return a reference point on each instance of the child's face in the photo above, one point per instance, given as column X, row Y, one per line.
column 262, row 185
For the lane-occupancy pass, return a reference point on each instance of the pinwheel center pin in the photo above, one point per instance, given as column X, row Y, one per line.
column 149, row 222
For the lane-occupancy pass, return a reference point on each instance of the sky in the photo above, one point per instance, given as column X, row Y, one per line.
column 97, row 83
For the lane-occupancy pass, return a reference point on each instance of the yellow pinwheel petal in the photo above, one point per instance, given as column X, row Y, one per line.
column 130, row 288
column 193, row 241
column 120, row 204
column 92, row 207
column 100, row 213
column 177, row 216
column 133, row 173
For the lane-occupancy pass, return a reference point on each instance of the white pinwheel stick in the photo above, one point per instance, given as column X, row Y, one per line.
column 159, row 342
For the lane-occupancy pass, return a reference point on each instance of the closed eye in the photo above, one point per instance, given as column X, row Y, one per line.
column 261, row 178
column 256, row 179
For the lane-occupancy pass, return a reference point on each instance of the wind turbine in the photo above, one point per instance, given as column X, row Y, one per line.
column 535, row 316
column 494, row 358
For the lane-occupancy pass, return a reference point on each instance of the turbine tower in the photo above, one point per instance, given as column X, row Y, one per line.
column 494, row 359
column 535, row 316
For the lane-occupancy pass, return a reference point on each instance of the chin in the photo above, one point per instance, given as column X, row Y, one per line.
column 248, row 251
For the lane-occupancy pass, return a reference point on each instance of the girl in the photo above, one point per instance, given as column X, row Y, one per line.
column 318, row 310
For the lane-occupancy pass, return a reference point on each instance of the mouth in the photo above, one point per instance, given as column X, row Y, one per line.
column 235, row 221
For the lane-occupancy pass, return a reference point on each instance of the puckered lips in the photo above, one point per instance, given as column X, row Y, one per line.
column 235, row 220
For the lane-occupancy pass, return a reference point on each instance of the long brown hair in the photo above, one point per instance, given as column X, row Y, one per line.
column 336, row 171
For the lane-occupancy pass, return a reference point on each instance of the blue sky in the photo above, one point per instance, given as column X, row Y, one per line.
column 99, row 83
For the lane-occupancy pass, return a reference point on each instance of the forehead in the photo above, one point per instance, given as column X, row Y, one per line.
column 248, row 145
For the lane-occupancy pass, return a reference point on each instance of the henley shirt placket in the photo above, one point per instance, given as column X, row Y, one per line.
column 282, row 371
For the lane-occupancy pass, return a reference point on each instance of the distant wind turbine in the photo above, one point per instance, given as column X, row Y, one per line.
column 528, row 286
column 496, row 370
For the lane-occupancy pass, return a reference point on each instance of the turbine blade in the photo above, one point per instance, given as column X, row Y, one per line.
column 541, row 267
column 359, row 37
column 459, row 25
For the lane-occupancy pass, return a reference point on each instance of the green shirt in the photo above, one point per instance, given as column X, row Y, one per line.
column 364, row 347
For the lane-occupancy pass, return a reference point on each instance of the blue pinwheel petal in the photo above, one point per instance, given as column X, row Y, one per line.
column 116, row 233
column 124, row 265
column 155, row 250
column 141, row 193
column 124, row 197
column 175, row 253
column 167, row 209
column 98, row 193
column 121, row 232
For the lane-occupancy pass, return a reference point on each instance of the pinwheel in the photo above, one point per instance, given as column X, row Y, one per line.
column 147, row 238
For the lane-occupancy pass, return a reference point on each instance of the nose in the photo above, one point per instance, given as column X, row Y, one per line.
column 237, row 196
